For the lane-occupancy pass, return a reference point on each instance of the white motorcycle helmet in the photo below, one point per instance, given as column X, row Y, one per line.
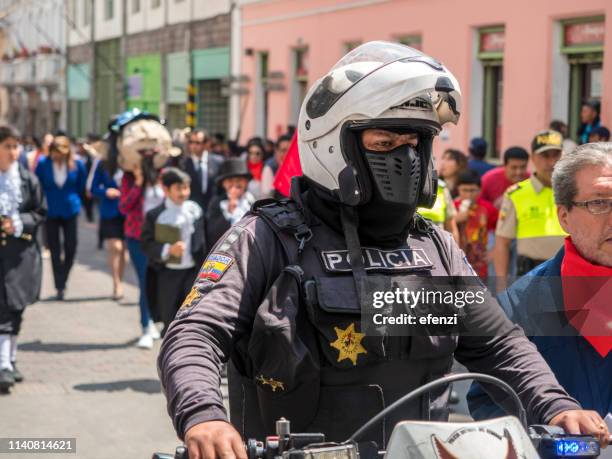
column 377, row 85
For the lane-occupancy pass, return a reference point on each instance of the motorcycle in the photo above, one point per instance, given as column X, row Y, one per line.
column 508, row 437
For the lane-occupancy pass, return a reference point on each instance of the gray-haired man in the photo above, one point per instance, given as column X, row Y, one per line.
column 576, row 284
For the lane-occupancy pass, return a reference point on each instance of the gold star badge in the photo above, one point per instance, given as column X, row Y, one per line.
column 349, row 343
column 273, row 383
column 193, row 296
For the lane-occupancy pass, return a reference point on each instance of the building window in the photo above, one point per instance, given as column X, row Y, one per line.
column 414, row 41
column 300, row 82
column 86, row 12
column 261, row 97
column 491, row 42
column 109, row 9
column 135, row 6
column 155, row 3
column 582, row 44
column 176, row 115
column 213, row 107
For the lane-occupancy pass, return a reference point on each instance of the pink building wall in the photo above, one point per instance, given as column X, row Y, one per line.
column 448, row 31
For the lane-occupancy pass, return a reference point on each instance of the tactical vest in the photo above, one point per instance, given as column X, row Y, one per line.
column 437, row 213
column 307, row 359
column 536, row 213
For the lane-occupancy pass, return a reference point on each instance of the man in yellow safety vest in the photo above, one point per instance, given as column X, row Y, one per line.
column 528, row 212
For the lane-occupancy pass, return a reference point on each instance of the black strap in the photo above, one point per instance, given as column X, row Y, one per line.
column 353, row 245
column 285, row 217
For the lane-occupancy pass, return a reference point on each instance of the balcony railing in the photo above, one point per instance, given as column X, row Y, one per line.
column 48, row 68
column 25, row 71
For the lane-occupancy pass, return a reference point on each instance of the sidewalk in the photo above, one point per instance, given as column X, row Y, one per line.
column 84, row 378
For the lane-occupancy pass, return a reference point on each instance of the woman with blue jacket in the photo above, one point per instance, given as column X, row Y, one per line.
column 62, row 178
column 105, row 186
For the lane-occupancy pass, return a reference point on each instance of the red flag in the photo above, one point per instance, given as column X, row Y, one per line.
column 291, row 167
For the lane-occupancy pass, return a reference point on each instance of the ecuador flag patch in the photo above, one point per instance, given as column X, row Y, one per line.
column 214, row 267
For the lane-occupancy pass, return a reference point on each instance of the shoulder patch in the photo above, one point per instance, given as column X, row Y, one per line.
column 214, row 267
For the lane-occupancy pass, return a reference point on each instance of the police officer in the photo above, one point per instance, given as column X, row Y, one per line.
column 280, row 295
column 528, row 212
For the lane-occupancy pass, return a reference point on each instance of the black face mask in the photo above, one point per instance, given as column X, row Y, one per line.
column 385, row 220
column 395, row 175
column 396, row 178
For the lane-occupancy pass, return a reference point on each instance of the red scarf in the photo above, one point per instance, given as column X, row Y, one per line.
column 255, row 169
column 587, row 293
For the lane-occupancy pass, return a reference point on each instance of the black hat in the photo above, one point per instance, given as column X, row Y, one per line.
column 233, row 167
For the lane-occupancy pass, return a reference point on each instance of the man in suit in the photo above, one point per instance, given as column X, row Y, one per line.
column 202, row 166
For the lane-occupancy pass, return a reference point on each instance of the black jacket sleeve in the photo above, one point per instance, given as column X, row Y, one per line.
column 150, row 247
column 218, row 312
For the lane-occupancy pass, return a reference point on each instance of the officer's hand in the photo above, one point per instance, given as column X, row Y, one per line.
column 214, row 440
column 583, row 422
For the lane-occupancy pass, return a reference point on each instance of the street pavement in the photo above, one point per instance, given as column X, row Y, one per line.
column 84, row 377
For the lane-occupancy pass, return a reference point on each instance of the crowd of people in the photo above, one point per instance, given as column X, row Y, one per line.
column 504, row 217
column 168, row 224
